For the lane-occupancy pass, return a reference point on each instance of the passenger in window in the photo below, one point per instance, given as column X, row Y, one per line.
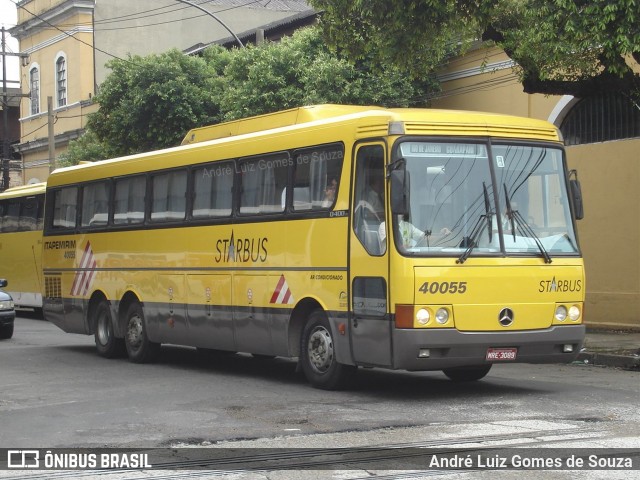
column 330, row 193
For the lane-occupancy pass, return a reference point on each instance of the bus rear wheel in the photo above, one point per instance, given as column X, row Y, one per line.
column 318, row 355
column 107, row 344
column 139, row 348
column 467, row 374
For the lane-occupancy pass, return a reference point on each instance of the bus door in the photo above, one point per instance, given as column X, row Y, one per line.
column 370, row 326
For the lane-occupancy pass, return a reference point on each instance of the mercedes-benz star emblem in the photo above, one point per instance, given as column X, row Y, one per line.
column 505, row 317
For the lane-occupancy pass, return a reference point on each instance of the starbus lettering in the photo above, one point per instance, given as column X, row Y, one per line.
column 241, row 250
column 563, row 286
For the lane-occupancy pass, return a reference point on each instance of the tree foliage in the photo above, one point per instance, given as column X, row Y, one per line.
column 147, row 103
column 577, row 47
column 150, row 102
column 300, row 70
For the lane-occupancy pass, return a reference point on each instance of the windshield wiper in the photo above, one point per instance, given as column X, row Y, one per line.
column 515, row 217
column 471, row 241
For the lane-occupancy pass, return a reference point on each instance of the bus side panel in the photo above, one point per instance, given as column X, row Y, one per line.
column 209, row 311
column 252, row 325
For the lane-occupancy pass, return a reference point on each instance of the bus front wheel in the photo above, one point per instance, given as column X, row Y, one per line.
column 318, row 355
column 139, row 348
column 107, row 344
column 467, row 374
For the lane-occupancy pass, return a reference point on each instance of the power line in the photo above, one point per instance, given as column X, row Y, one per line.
column 139, row 16
column 69, row 35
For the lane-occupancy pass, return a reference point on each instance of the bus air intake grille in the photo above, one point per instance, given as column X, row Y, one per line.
column 53, row 287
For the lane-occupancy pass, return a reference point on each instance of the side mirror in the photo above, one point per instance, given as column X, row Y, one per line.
column 400, row 190
column 576, row 194
column 3, row 283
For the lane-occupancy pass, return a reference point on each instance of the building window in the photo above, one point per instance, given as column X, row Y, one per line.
column 61, row 81
column 34, row 85
column 611, row 116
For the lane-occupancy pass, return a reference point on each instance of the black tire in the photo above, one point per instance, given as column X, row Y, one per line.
column 107, row 345
column 317, row 355
column 139, row 348
column 6, row 332
column 467, row 374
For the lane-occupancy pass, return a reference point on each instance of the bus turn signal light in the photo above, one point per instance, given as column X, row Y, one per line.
column 404, row 316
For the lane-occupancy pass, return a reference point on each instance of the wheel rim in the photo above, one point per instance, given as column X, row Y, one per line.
column 134, row 331
column 320, row 349
column 104, row 333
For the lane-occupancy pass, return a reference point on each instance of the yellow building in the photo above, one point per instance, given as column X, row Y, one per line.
column 69, row 42
column 603, row 139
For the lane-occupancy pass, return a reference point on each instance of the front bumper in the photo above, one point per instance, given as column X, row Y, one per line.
column 452, row 348
column 7, row 317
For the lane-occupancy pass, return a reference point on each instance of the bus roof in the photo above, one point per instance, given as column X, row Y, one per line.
column 24, row 190
column 442, row 121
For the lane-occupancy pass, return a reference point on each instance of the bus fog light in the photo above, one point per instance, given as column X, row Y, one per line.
column 561, row 313
column 423, row 316
column 568, row 348
column 442, row 316
column 574, row 313
column 424, row 353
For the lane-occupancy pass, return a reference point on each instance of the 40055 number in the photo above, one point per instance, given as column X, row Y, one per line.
column 443, row 287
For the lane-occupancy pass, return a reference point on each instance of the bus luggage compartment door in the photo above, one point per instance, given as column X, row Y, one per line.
column 370, row 323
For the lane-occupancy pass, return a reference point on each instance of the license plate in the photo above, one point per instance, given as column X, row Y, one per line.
column 501, row 354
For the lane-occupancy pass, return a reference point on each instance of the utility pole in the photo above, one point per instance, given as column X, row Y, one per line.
column 6, row 154
column 52, row 136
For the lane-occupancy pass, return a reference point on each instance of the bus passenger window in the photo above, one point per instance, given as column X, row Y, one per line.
column 213, row 190
column 12, row 216
column 28, row 214
column 263, row 181
column 95, row 205
column 65, row 208
column 317, row 172
column 168, row 202
column 129, row 200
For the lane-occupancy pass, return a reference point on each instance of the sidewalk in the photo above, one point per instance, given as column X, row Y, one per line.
column 612, row 349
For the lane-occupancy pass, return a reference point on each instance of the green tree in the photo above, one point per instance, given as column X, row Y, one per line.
column 87, row 148
column 576, row 47
column 301, row 70
column 150, row 102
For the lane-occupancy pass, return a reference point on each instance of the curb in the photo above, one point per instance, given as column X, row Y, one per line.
column 626, row 362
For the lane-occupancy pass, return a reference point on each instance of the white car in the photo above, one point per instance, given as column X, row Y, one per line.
column 7, row 312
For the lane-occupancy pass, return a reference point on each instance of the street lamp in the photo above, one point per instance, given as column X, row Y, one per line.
column 215, row 18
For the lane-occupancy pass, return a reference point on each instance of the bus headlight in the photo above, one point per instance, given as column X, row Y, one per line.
column 574, row 313
column 561, row 313
column 442, row 316
column 423, row 316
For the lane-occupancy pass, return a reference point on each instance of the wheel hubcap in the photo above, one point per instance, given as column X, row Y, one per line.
column 103, row 330
column 320, row 349
column 134, row 331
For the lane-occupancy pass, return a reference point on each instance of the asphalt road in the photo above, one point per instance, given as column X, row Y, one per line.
column 57, row 392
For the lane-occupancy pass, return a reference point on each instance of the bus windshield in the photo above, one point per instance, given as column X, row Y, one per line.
column 457, row 209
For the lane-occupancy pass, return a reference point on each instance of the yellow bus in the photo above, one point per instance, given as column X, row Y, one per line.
column 343, row 236
column 21, row 221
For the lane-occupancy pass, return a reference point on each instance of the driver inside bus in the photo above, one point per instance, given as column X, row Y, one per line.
column 410, row 234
